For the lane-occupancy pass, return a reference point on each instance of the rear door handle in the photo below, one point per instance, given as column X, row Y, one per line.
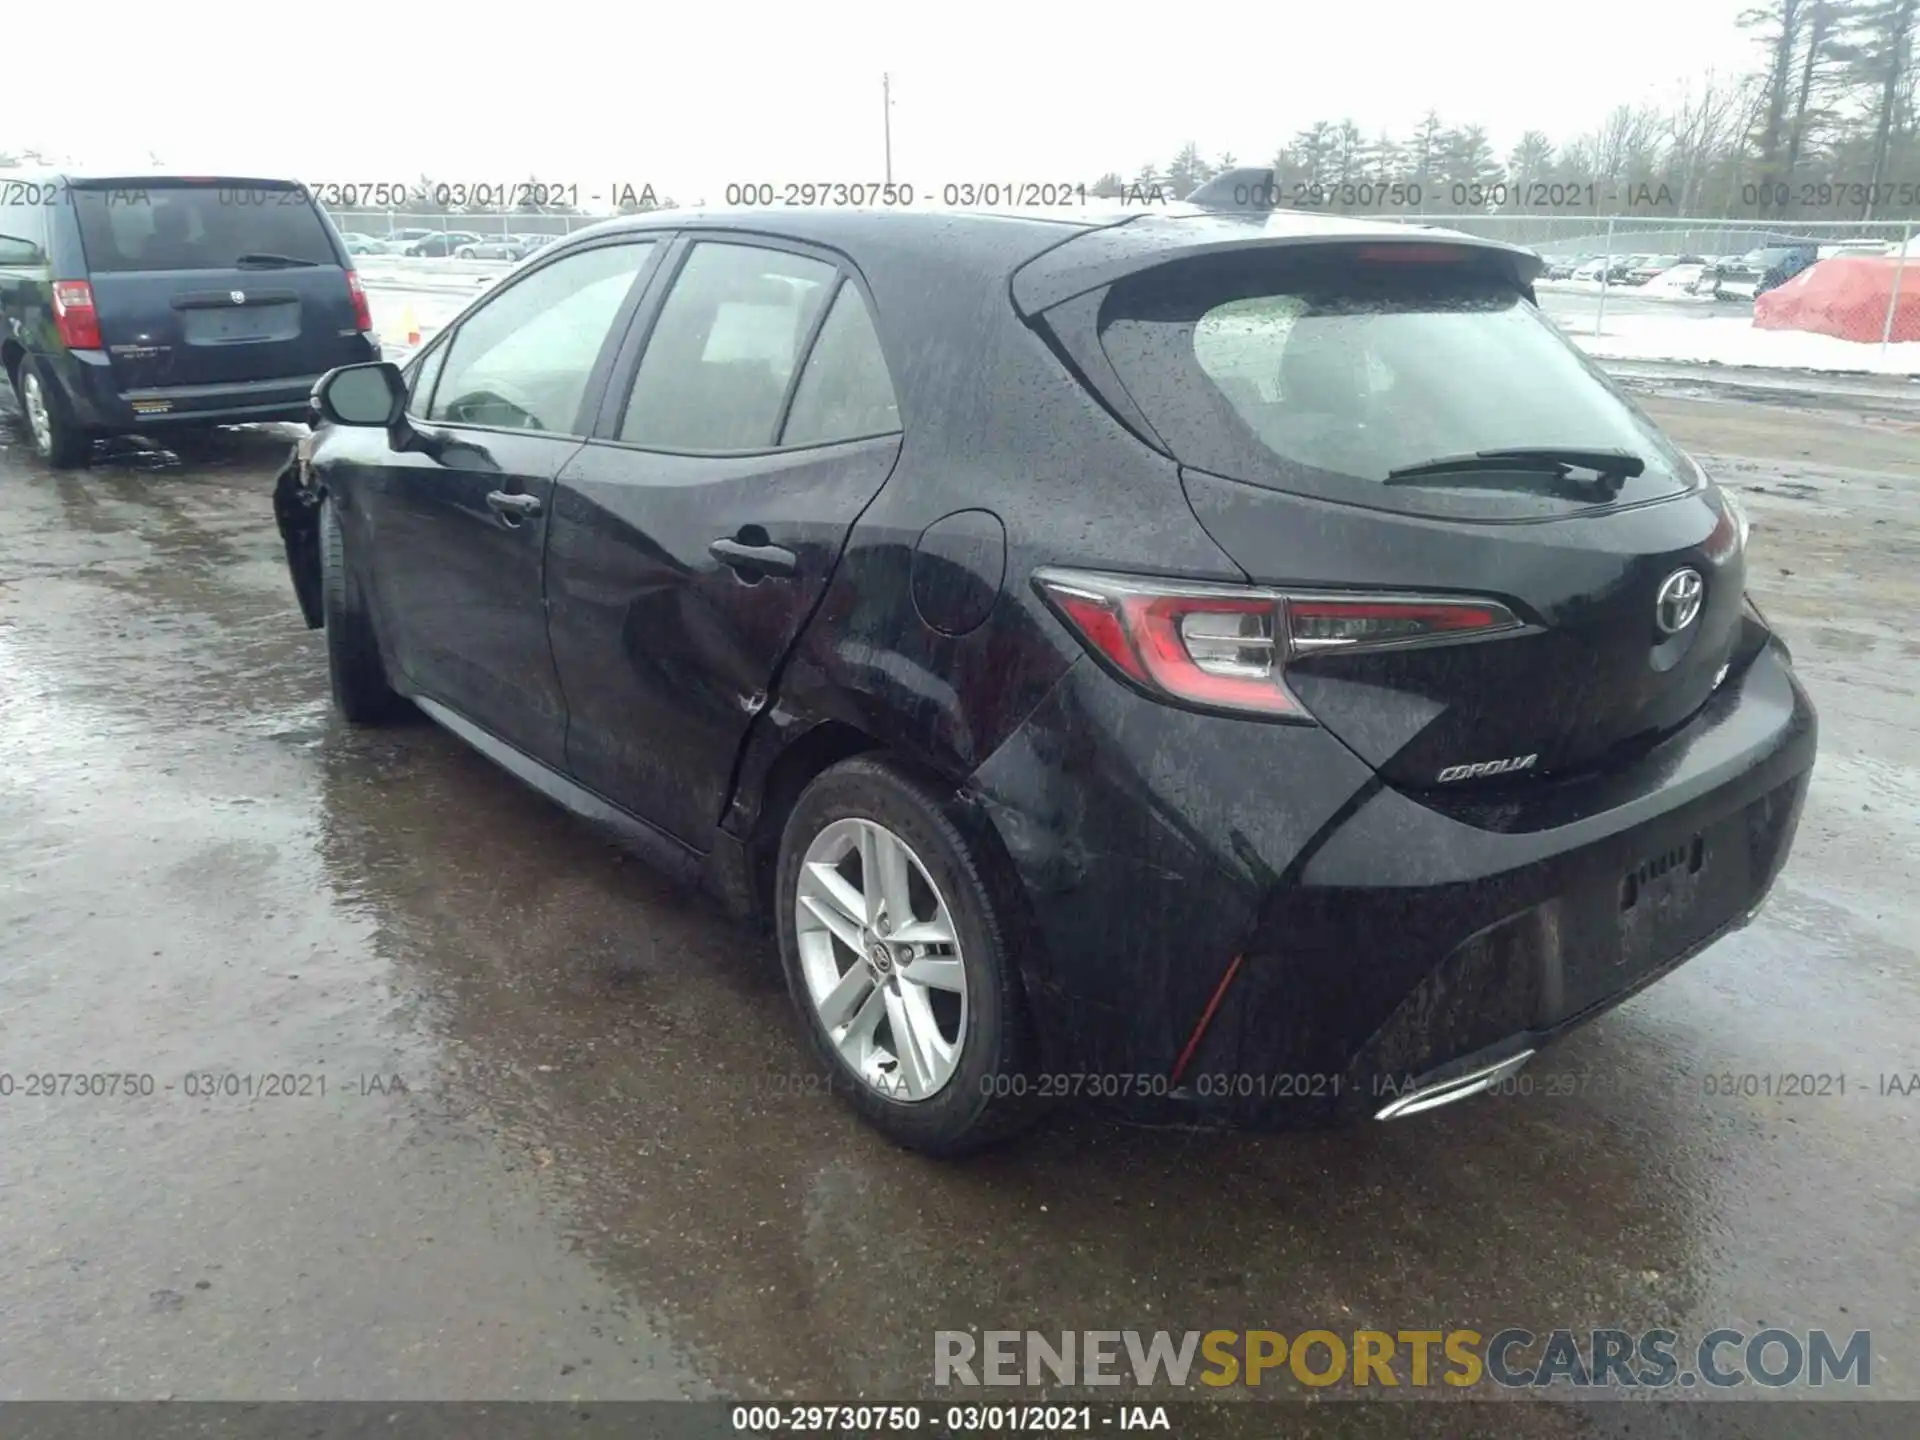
column 513, row 506
column 755, row 559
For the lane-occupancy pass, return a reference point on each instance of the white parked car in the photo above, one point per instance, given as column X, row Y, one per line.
column 1678, row 282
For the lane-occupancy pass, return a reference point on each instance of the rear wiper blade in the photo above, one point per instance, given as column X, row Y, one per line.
column 267, row 257
column 1609, row 466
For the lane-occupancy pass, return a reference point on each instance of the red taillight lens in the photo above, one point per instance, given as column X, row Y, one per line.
column 1212, row 649
column 74, row 316
column 1730, row 529
column 1227, row 647
column 362, row 316
column 1213, row 645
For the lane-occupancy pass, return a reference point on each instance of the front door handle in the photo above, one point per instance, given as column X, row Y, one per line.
column 755, row 560
column 513, row 506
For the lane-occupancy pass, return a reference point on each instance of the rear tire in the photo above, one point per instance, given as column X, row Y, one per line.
column 56, row 435
column 355, row 672
column 982, row 1097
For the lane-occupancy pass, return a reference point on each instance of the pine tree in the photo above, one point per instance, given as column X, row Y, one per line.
column 1187, row 171
column 1875, row 47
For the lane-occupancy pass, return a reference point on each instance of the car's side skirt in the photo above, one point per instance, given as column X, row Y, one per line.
column 652, row 843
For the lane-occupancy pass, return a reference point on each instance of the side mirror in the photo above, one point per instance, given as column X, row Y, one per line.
column 367, row 395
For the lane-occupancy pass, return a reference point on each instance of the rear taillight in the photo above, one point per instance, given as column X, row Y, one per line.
column 74, row 316
column 1227, row 647
column 362, row 316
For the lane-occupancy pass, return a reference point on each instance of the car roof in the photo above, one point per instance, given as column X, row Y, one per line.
column 1125, row 238
column 133, row 178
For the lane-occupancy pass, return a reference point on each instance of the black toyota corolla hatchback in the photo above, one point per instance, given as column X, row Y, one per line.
column 1250, row 672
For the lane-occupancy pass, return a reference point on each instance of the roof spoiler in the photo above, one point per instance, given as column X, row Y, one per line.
column 1250, row 190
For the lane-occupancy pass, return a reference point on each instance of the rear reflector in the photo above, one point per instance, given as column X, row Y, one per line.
column 1225, row 647
column 362, row 316
column 74, row 316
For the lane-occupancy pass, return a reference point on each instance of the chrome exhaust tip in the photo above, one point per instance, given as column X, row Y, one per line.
column 1445, row 1092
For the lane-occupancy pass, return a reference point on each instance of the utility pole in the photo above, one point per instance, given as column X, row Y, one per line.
column 886, row 119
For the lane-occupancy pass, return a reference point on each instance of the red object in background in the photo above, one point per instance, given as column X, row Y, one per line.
column 1845, row 297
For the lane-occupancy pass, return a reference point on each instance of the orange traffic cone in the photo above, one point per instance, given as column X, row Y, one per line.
column 409, row 326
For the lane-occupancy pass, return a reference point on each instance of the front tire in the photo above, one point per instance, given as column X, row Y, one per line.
column 895, row 944
column 355, row 672
column 465, row 252
column 57, row 438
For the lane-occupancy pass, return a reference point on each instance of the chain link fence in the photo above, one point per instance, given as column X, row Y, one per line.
column 391, row 226
column 1773, row 277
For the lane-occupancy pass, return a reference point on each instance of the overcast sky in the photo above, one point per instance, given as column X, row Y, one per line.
column 689, row 97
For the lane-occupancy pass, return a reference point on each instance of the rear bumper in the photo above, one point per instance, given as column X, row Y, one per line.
column 1239, row 923
column 101, row 405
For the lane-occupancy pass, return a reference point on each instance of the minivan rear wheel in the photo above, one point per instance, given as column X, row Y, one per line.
column 355, row 672
column 57, row 439
column 896, row 955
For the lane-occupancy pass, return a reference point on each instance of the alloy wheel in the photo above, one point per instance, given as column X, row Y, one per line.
column 881, row 958
column 35, row 402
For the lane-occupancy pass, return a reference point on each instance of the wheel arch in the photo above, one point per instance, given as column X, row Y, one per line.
column 296, row 511
column 761, row 805
column 12, row 352
column 761, row 808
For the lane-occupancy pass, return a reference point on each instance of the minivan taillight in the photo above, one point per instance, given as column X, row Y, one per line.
column 1226, row 647
column 74, row 316
column 362, row 316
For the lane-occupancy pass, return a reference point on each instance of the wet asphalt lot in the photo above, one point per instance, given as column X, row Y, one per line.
column 568, row 1145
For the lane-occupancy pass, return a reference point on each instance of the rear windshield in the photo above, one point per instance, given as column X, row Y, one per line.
column 150, row 225
column 1322, row 377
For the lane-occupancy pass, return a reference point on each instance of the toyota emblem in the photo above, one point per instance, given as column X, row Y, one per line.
column 1679, row 602
column 239, row 296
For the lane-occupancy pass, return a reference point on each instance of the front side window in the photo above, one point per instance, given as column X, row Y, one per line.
column 717, row 366
column 523, row 360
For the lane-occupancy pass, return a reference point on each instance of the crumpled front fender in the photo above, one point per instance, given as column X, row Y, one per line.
column 296, row 509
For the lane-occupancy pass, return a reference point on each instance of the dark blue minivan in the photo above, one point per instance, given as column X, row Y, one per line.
column 154, row 304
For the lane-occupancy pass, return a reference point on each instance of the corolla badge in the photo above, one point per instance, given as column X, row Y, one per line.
column 1487, row 767
column 1679, row 602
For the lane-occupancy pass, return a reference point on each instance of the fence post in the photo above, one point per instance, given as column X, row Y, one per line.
column 1893, row 300
column 1606, row 279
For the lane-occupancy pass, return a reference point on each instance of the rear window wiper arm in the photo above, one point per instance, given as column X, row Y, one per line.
column 267, row 257
column 1609, row 466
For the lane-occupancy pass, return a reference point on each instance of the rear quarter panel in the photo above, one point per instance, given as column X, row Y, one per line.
column 993, row 421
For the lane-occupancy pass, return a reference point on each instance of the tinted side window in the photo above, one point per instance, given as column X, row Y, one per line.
column 22, row 235
column 723, row 351
column 522, row 361
column 845, row 391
